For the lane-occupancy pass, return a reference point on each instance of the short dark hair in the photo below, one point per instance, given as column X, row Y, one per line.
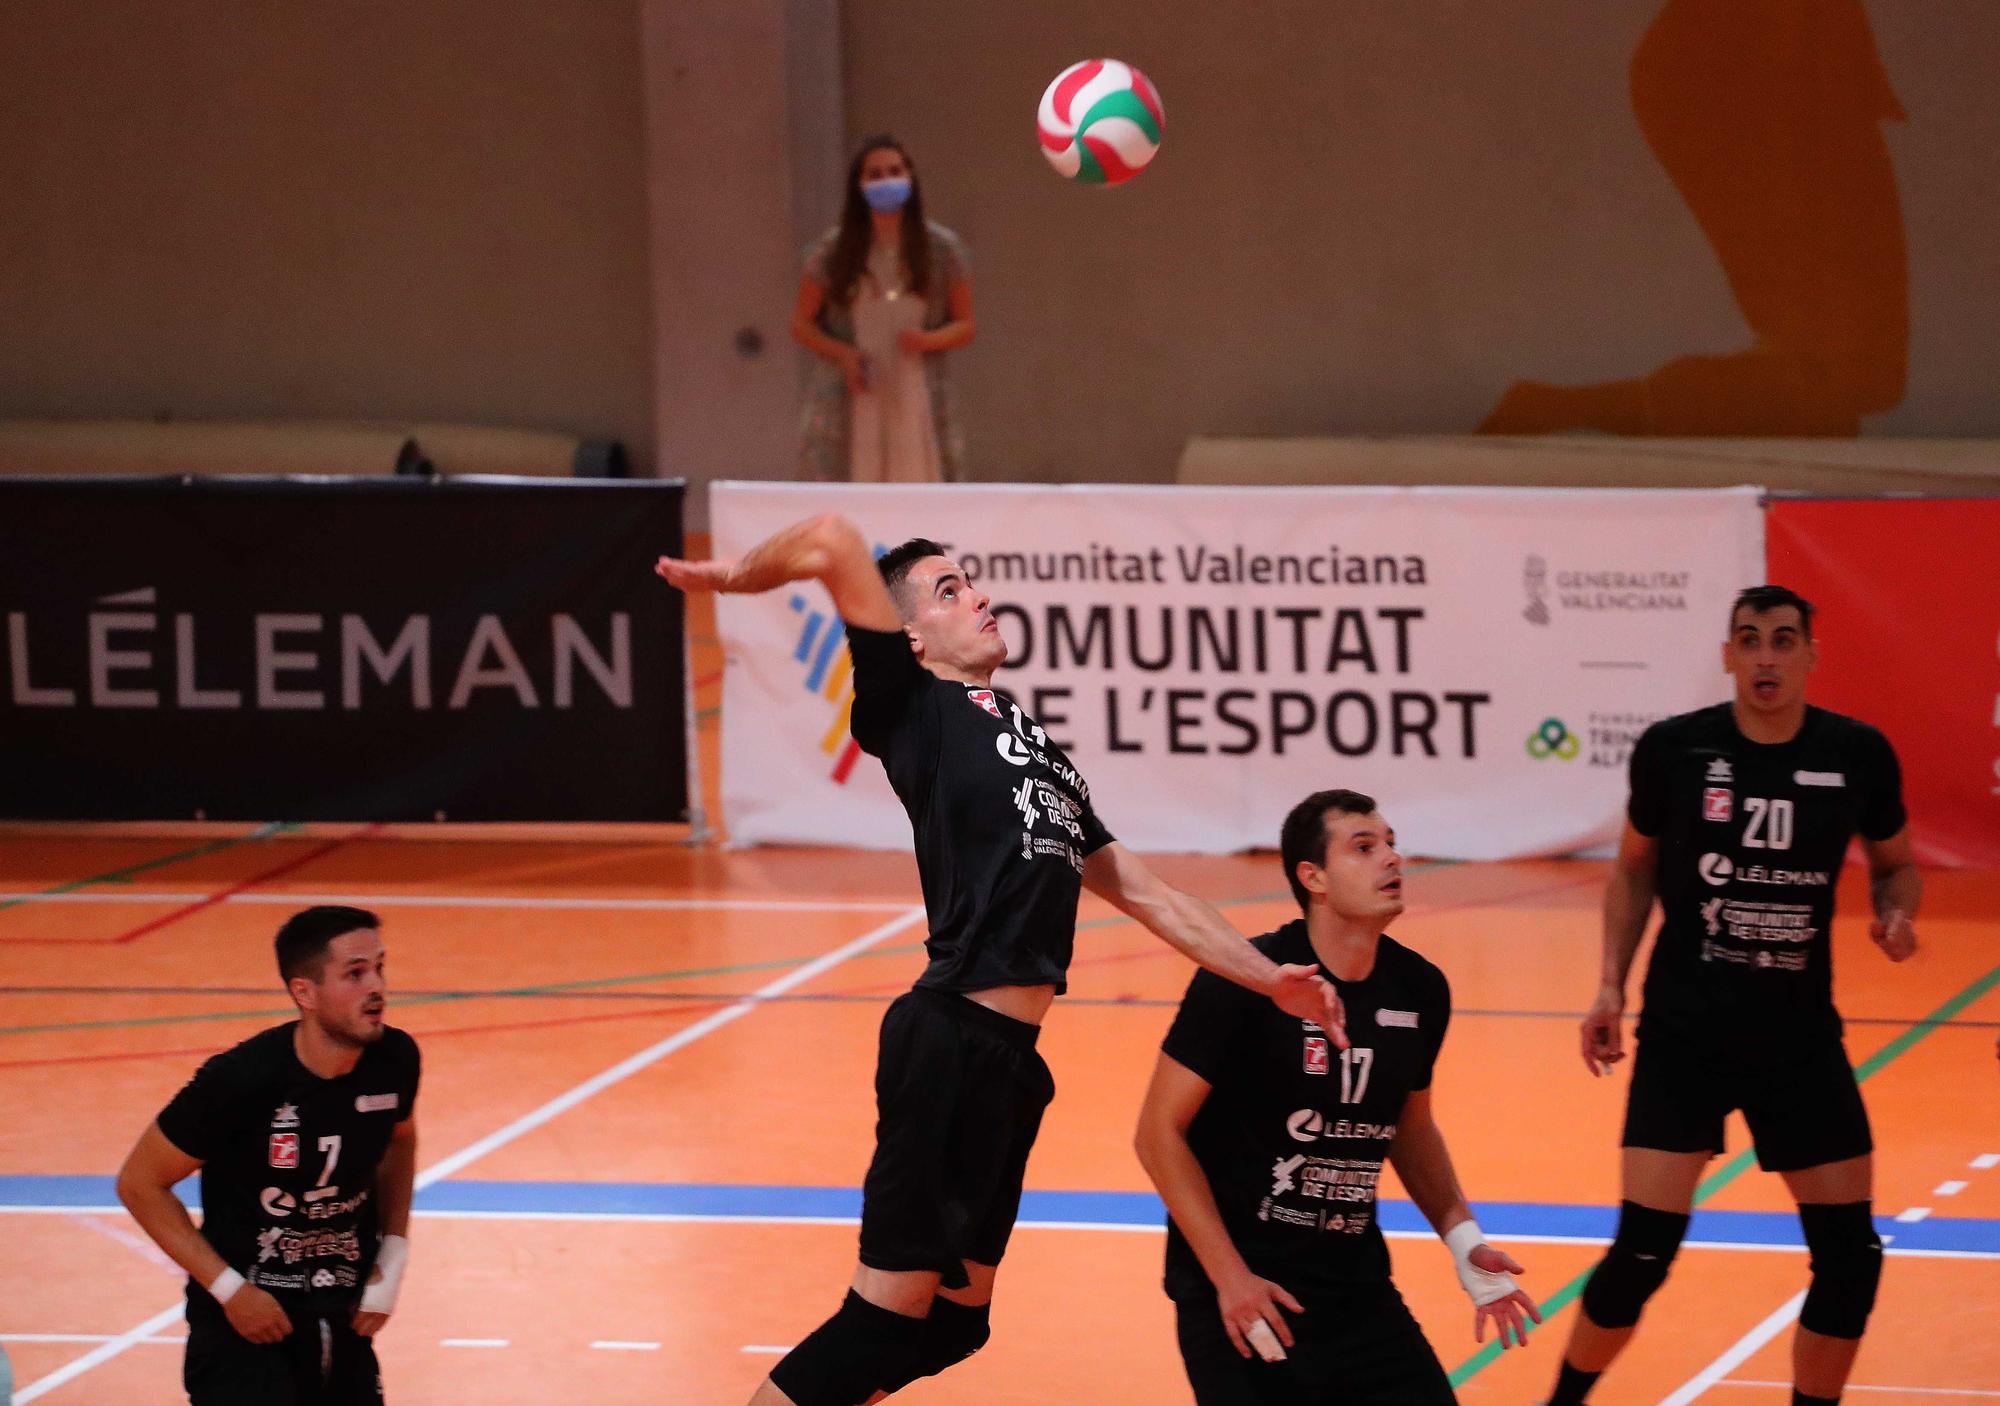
column 1303, row 837
column 303, row 940
column 895, row 563
column 1758, row 599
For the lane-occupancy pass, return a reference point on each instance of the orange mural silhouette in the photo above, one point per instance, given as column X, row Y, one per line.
column 1768, row 116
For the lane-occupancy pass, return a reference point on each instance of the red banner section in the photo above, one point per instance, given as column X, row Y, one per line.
column 1909, row 637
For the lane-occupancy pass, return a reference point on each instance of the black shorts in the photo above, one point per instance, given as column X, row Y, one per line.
column 323, row 1363
column 1802, row 1103
column 1356, row 1347
column 959, row 1094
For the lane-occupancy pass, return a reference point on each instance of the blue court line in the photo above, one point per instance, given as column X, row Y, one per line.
column 1108, row 1209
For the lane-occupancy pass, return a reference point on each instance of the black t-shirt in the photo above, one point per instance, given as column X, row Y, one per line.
column 289, row 1159
column 1293, row 1132
column 1001, row 819
column 1751, row 840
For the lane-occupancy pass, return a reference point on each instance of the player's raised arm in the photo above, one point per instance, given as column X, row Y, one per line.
column 1628, row 901
column 1194, row 928
column 1424, row 1164
column 146, row 1185
column 827, row 548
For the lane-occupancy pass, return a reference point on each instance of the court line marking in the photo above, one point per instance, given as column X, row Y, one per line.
column 1745, row 1348
column 78, row 1338
column 119, row 876
column 1912, row 1215
column 1985, row 1162
column 1949, row 1188
column 408, row 900
column 1555, row 1303
column 764, row 1348
column 473, row 1342
column 525, row 1124
column 1911, row 1390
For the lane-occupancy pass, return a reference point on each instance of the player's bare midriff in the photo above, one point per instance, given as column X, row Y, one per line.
column 1029, row 1003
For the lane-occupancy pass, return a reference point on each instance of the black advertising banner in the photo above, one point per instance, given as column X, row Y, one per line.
column 375, row 649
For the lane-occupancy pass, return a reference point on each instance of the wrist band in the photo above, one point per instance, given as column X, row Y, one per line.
column 224, row 1286
column 380, row 1294
column 1482, row 1286
column 1463, row 1238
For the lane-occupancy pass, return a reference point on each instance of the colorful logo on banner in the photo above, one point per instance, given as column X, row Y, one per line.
column 1553, row 739
column 829, row 673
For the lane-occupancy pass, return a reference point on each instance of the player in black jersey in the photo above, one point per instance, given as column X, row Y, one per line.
column 306, row 1140
column 1006, row 836
column 1739, row 822
column 1266, row 1145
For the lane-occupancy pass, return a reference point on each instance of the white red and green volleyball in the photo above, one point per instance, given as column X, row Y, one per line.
column 1100, row 122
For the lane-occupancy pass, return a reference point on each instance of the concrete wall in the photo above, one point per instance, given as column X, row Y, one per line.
column 413, row 209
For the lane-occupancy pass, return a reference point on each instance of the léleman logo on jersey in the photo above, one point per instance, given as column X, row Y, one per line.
column 277, row 1202
column 1717, row 803
column 375, row 1103
column 1720, row 770
column 1820, row 778
column 1716, row 868
column 984, row 698
column 1316, row 1055
column 287, row 1116
column 1405, row 1020
column 284, row 1150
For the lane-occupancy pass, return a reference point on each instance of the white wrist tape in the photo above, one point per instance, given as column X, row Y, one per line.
column 1482, row 1286
column 380, row 1295
column 224, row 1286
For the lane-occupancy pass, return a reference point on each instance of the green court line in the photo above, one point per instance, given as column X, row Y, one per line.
column 1715, row 1181
column 121, row 876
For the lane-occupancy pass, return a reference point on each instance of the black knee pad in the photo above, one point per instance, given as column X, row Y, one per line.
column 844, row 1361
column 1635, row 1266
column 1846, row 1267
column 952, row 1333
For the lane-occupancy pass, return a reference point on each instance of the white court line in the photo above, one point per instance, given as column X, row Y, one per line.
column 1986, row 1161
column 613, row 1346
column 1911, row 1390
column 1949, row 1188
column 527, row 1123
column 78, row 1338
column 484, row 900
column 764, row 1347
column 1912, row 1215
column 472, row 1342
column 1735, row 1357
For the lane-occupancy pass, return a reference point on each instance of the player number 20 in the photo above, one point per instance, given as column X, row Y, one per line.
column 1354, row 1067
column 1770, row 823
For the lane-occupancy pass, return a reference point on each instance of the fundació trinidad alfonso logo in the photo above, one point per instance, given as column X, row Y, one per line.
column 1553, row 739
column 829, row 673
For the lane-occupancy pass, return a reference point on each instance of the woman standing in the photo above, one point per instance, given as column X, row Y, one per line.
column 885, row 294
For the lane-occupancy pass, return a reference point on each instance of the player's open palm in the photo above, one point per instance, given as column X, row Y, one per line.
column 256, row 1315
column 1250, row 1308
column 1603, row 1032
column 1895, row 934
column 1510, row 1314
column 1301, row 991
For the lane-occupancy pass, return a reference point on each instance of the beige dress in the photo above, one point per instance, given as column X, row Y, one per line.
column 890, row 436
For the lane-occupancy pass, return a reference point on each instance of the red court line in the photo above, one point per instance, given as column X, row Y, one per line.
column 168, row 919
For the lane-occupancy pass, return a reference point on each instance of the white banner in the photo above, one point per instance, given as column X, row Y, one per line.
column 1479, row 660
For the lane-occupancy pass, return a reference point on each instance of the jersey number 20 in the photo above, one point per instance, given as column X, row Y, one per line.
column 1770, row 823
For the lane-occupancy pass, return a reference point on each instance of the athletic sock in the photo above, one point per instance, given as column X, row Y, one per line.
column 1799, row 1398
column 1572, row 1386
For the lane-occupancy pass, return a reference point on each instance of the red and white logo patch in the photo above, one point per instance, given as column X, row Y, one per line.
column 1716, row 803
column 984, row 698
column 284, row 1149
column 1316, row 1057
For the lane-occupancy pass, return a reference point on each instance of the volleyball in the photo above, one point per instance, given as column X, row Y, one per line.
column 1100, row 122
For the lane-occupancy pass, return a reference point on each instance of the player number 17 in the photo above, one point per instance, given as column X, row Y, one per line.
column 1355, row 1065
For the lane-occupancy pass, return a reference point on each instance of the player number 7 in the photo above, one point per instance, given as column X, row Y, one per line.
column 330, row 1144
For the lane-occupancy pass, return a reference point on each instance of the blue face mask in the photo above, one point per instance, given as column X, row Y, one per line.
column 892, row 194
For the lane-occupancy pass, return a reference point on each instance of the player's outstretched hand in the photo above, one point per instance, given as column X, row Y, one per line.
column 1301, row 991
column 1249, row 1307
column 1603, row 1031
column 1895, row 934
column 256, row 1315
column 696, row 575
column 1510, row 1315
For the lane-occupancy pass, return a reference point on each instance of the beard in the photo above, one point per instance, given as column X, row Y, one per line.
column 359, row 1035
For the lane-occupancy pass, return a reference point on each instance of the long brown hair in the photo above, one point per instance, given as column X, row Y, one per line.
column 850, row 246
